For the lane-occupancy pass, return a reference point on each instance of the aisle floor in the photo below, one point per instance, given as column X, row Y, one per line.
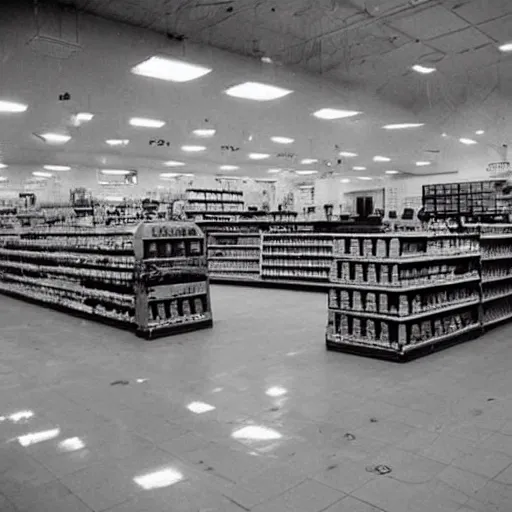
column 253, row 414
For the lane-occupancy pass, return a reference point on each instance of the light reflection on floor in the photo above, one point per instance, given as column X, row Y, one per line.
column 251, row 415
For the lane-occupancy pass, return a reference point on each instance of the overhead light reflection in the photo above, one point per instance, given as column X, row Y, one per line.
column 276, row 391
column 21, row 415
column 38, row 437
column 256, row 433
column 73, row 444
column 200, row 407
column 158, row 479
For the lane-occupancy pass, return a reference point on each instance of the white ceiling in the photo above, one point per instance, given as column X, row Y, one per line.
column 363, row 49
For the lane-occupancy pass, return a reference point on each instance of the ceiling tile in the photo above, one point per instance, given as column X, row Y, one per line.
column 500, row 30
column 429, row 23
column 460, row 41
column 479, row 11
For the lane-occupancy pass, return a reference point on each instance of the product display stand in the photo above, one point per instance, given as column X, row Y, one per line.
column 398, row 296
column 110, row 274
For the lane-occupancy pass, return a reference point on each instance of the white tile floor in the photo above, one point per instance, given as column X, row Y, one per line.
column 442, row 424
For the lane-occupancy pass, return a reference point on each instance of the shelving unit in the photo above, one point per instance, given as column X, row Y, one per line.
column 111, row 274
column 211, row 201
column 398, row 295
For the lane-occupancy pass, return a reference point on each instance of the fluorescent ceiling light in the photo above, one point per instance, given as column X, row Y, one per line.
column 424, row 70
column 117, row 142
column 308, row 161
column 169, row 174
column 391, row 171
column 38, row 437
column 379, row 158
column 11, row 107
column 115, row 172
column 84, row 116
column 143, row 122
column 507, row 47
column 188, row 174
column 229, row 167
column 57, row 167
column 345, row 180
column 402, row 126
column 258, row 156
column 172, row 70
column 3, row 166
column 468, row 142
column 193, row 149
column 359, row 168
column 282, row 140
column 364, row 178
column 72, row 444
column 116, row 199
column 444, row 134
column 276, row 391
column 257, row 91
column 274, row 171
column 158, row 479
column 56, row 138
column 204, row 132
column 423, row 164
column 267, row 60
column 41, row 174
column 174, row 163
column 333, row 113
column 20, row 415
column 200, row 407
column 480, row 132
column 347, row 154
column 256, row 433
column 306, row 172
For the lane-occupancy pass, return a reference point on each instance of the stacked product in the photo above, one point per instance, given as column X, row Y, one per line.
column 201, row 202
column 392, row 294
column 124, row 276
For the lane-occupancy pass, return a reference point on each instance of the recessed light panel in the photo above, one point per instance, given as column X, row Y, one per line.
column 55, row 138
column 115, row 172
column 174, row 163
column 468, row 142
column 307, row 172
column 229, row 167
column 391, row 171
column 204, row 132
column 359, row 168
column 424, row 70
column 308, row 161
column 193, row 149
column 282, row 140
column 158, row 479
column 117, row 142
column 364, row 178
column 347, row 154
column 334, row 113
column 57, row 168
column 257, row 91
column 423, row 164
column 172, row 70
column 84, row 117
column 507, row 47
column 142, row 122
column 402, row 126
column 42, row 174
column 11, row 107
column 379, row 158
column 274, row 171
column 258, row 156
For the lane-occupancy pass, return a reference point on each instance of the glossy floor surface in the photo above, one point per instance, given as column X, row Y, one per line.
column 253, row 414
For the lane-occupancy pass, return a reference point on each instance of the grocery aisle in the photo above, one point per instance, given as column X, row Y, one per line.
column 251, row 415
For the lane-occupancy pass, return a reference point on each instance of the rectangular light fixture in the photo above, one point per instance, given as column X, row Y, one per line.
column 158, row 479
column 193, row 149
column 347, row 154
column 3, row 166
column 282, row 140
column 204, row 132
column 143, row 122
column 38, row 437
column 424, row 70
column 507, row 47
column 117, row 142
column 359, row 168
column 41, row 174
column 480, row 132
column 11, row 107
column 84, row 117
column 306, row 172
column 256, row 433
column 171, row 70
column 200, row 407
column 391, row 171
column 229, row 167
column 402, row 126
column 55, row 138
column 468, row 142
column 379, row 158
column 274, row 171
column 334, row 113
column 364, row 178
column 257, row 91
column 423, row 164
column 345, row 180
column 258, row 156
column 57, row 168
column 308, row 161
column 115, row 172
column 114, row 199
column 169, row 174
column 174, row 163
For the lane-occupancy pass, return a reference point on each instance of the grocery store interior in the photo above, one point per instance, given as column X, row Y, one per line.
column 255, row 256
